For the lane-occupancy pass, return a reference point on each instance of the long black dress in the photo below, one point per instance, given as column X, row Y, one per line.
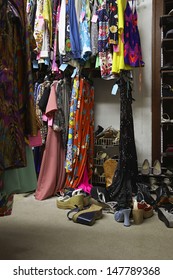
column 124, row 181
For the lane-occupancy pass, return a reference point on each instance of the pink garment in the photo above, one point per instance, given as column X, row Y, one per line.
column 54, row 64
column 84, row 184
column 52, row 103
column 52, row 172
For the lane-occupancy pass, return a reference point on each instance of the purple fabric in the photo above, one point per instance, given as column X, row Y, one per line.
column 132, row 44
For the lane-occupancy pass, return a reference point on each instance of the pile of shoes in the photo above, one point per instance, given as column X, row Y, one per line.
column 82, row 211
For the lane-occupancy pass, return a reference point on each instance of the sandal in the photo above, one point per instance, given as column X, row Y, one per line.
column 86, row 216
column 67, row 202
column 110, row 206
column 86, row 196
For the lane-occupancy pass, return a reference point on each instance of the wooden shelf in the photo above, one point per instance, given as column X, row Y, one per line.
column 167, row 97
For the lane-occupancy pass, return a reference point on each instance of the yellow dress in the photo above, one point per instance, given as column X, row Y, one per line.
column 118, row 57
column 47, row 15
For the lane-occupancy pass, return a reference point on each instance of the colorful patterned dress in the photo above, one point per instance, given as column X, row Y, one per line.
column 17, row 114
column 132, row 44
column 105, row 55
column 81, row 128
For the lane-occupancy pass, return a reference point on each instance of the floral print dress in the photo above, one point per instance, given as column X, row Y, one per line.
column 105, row 55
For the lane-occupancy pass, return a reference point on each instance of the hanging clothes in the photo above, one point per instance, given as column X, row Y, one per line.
column 118, row 63
column 132, row 44
column 71, row 125
column 52, row 171
column 80, row 147
column 31, row 12
column 55, row 67
column 39, row 25
column 21, row 180
column 74, row 31
column 124, row 181
column 94, row 29
column 105, row 55
column 17, row 114
column 62, row 27
column 113, row 22
column 17, row 180
column 55, row 5
column 84, row 30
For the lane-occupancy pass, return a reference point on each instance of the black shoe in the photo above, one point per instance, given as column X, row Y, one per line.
column 98, row 130
column 165, row 217
column 144, row 194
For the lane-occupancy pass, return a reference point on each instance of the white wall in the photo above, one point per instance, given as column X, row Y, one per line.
column 107, row 106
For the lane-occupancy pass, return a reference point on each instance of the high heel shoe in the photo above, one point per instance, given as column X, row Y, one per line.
column 138, row 214
column 145, row 167
column 141, row 210
column 157, row 170
column 123, row 215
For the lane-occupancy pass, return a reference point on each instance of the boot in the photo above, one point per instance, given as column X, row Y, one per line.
column 123, row 215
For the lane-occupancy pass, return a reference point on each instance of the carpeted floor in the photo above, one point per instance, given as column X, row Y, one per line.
column 39, row 230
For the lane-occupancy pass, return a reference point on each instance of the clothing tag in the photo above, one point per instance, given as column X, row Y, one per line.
column 116, row 48
column 74, row 73
column 114, row 89
column 47, row 61
column 94, row 18
column 50, row 121
column 40, row 23
column 82, row 16
column 44, row 118
column 63, row 66
column 35, row 64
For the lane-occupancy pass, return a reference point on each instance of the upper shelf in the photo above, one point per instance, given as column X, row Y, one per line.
column 166, row 20
column 167, row 72
column 167, row 43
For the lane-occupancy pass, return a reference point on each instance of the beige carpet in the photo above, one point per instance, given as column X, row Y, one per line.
column 39, row 230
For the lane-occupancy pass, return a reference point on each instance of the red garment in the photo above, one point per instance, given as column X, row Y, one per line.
column 83, row 140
